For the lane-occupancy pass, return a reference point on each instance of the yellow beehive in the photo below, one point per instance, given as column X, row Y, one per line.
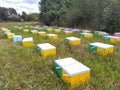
column 72, row 71
column 26, row 30
column 113, row 39
column 42, row 34
column 87, row 35
column 68, row 32
column 52, row 36
column 46, row 49
column 103, row 49
column 10, row 35
column 28, row 42
column 73, row 41
column 57, row 30
column 34, row 31
column 49, row 29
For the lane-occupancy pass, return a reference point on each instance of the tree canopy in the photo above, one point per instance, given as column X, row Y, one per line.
column 97, row 14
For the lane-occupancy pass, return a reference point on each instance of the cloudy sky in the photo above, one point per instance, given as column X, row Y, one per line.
column 29, row 6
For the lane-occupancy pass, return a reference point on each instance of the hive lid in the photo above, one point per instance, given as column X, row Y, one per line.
column 86, row 31
column 75, row 69
column 17, row 36
column 41, row 32
column 67, row 31
column 28, row 39
column 46, row 46
column 10, row 33
column 65, row 61
column 112, row 37
column 51, row 35
column 117, row 33
column 72, row 38
column 102, row 45
column 34, row 31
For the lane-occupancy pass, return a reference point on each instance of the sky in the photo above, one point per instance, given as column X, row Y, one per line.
column 29, row 6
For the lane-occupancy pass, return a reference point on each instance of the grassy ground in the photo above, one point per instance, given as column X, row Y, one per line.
column 22, row 68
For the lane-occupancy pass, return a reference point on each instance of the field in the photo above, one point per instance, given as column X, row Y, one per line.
column 23, row 68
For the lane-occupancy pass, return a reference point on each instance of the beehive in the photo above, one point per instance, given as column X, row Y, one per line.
column 52, row 36
column 76, row 30
column 96, row 32
column 85, row 31
column 103, row 34
column 17, row 38
column 26, row 30
column 113, row 39
column 28, row 41
column 68, row 32
column 34, row 31
column 57, row 30
column 87, row 35
column 71, row 71
column 117, row 34
column 73, row 41
column 46, row 49
column 101, row 48
column 49, row 30
column 10, row 35
column 42, row 34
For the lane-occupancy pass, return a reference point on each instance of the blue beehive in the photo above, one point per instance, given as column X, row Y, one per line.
column 17, row 38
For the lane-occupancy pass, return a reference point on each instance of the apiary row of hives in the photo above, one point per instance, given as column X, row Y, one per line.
column 68, row 69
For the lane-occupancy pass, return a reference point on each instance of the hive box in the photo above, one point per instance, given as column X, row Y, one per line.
column 49, row 29
column 17, row 38
column 103, row 34
column 87, row 35
column 86, row 31
column 28, row 41
column 96, row 32
column 73, row 41
column 103, row 49
column 34, row 31
column 52, row 36
column 68, row 32
column 46, row 49
column 71, row 71
column 10, row 35
column 57, row 30
column 113, row 39
column 117, row 34
column 26, row 30
column 42, row 34
column 76, row 30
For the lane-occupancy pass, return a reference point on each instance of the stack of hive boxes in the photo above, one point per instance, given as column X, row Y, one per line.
column 52, row 36
column 87, row 35
column 103, row 49
column 28, row 41
column 113, row 39
column 72, row 71
column 17, row 38
column 46, row 49
column 73, row 41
